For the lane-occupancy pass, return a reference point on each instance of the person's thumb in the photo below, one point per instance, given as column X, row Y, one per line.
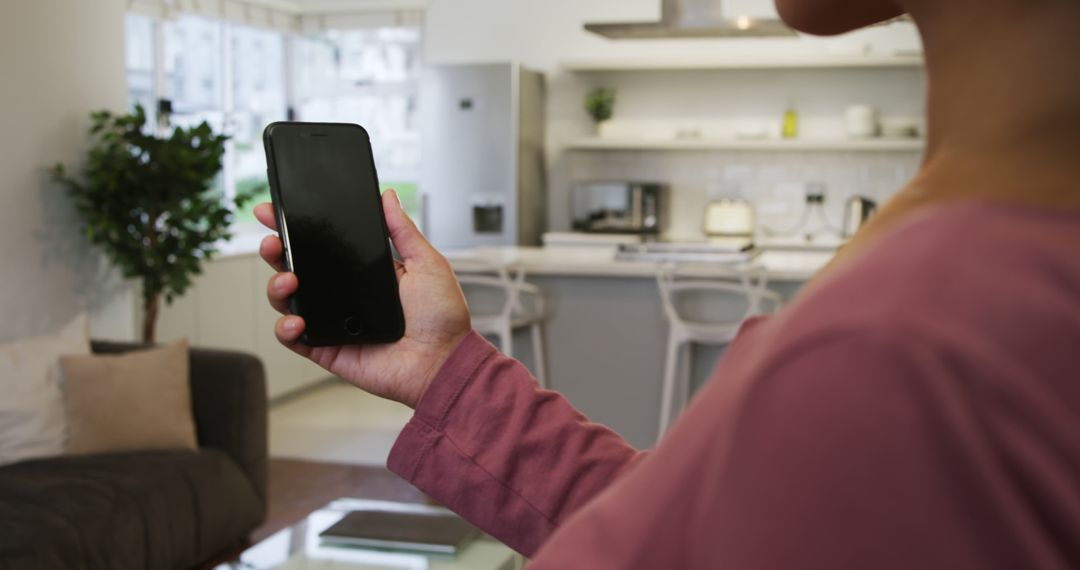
column 410, row 243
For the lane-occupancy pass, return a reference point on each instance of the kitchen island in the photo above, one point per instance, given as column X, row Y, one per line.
column 605, row 331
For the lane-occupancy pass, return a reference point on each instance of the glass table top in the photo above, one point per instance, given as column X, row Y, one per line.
column 300, row 548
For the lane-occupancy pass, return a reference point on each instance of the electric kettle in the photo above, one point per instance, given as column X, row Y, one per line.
column 729, row 218
column 856, row 213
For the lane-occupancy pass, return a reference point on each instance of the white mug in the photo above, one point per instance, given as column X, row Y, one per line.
column 862, row 121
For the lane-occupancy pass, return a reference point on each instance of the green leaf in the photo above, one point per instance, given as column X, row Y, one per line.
column 149, row 200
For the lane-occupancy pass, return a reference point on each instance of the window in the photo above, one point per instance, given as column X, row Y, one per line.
column 140, row 35
column 369, row 77
column 232, row 77
column 257, row 99
column 193, row 71
column 192, row 78
column 236, row 78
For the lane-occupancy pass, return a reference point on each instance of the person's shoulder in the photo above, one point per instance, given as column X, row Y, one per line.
column 959, row 265
column 975, row 291
column 889, row 380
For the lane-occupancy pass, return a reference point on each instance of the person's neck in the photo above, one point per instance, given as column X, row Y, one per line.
column 1003, row 110
column 1003, row 114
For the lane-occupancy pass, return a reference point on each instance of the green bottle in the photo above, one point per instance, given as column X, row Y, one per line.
column 791, row 123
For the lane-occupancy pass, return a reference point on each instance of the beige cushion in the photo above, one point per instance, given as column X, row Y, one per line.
column 129, row 402
column 32, row 422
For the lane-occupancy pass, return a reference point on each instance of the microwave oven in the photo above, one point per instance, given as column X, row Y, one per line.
column 620, row 207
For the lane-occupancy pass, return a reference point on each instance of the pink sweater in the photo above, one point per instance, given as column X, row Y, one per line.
column 919, row 409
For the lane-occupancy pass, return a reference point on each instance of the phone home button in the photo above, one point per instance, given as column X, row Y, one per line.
column 353, row 326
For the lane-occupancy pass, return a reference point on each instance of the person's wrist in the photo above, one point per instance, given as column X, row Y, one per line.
column 439, row 357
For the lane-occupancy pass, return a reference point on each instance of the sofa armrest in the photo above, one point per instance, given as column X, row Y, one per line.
column 228, row 397
column 229, row 403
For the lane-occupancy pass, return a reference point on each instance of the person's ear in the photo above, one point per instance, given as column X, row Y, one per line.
column 831, row 17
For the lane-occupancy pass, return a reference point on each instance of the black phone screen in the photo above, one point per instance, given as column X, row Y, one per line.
column 331, row 220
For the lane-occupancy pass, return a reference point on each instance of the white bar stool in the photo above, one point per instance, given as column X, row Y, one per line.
column 507, row 281
column 745, row 282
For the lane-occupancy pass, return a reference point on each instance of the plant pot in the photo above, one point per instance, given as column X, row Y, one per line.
column 602, row 128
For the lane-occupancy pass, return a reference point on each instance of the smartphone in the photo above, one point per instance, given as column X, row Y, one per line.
column 330, row 220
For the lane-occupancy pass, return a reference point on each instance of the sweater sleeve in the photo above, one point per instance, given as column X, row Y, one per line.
column 508, row 456
column 857, row 451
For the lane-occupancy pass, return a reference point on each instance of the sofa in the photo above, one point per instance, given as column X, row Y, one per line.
column 153, row 509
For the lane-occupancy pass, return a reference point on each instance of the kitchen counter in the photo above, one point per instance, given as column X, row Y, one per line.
column 781, row 265
column 605, row 328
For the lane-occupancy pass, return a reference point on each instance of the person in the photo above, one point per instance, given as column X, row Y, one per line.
column 916, row 406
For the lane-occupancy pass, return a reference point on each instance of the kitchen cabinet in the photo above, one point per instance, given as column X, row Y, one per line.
column 605, row 330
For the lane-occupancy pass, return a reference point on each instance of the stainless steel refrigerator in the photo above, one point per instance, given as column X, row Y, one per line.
column 482, row 178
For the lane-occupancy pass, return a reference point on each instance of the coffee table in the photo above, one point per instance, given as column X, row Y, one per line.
column 299, row 547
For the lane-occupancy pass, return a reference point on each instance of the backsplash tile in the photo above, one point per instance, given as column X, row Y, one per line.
column 774, row 181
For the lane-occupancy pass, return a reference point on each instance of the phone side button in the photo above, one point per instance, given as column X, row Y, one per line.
column 353, row 326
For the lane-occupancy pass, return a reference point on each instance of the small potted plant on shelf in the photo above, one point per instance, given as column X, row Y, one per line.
column 150, row 201
column 600, row 104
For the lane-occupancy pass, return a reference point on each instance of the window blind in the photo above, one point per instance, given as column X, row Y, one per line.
column 289, row 16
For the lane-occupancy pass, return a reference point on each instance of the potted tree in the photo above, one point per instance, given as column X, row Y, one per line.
column 600, row 104
column 149, row 201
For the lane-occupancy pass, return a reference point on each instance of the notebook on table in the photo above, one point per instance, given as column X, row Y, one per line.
column 439, row 532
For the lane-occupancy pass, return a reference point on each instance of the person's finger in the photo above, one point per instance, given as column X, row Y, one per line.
column 271, row 251
column 288, row 330
column 410, row 243
column 279, row 289
column 399, row 268
column 265, row 214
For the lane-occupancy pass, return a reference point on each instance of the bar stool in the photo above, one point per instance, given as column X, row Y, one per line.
column 508, row 282
column 744, row 282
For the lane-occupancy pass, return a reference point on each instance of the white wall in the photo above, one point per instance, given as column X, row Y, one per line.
column 542, row 34
column 59, row 59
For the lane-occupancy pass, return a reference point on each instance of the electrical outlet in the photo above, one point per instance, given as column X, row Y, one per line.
column 815, row 193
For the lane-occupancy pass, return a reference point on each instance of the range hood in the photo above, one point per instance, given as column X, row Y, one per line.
column 693, row 19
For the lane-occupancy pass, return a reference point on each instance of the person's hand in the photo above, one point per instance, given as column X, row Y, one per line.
column 436, row 316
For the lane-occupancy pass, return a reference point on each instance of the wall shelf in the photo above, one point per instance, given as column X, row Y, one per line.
column 826, row 61
column 794, row 145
